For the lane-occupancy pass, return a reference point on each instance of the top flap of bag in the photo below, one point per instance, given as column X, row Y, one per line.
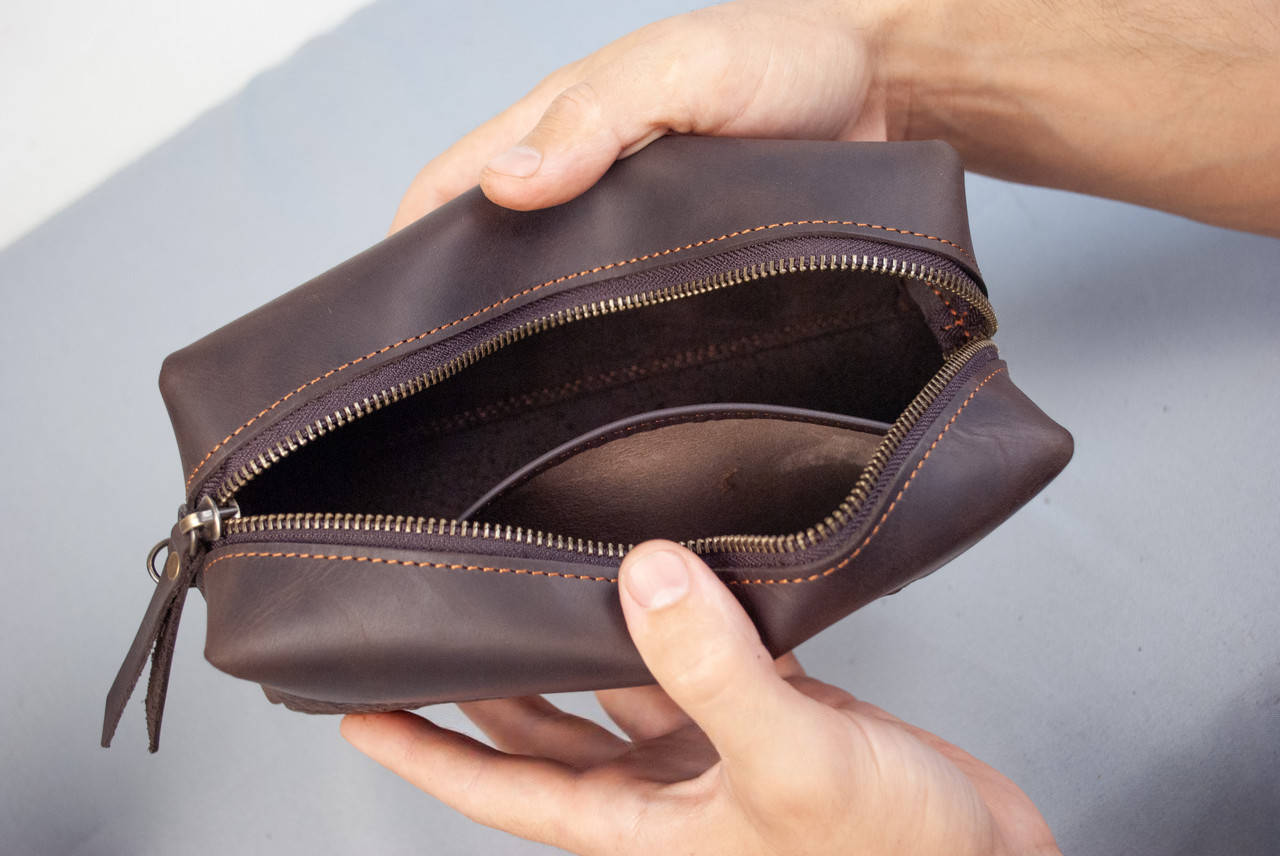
column 471, row 261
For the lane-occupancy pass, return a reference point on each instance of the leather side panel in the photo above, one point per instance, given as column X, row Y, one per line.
column 470, row 260
column 408, row 629
column 377, row 627
column 984, row 457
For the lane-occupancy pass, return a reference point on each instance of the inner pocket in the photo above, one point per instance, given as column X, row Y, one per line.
column 852, row 343
column 687, row 473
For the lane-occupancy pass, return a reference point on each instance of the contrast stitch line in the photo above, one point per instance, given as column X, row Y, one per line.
column 880, row 523
column 959, row 320
column 375, row 560
column 566, row 277
column 586, row 578
column 712, row 352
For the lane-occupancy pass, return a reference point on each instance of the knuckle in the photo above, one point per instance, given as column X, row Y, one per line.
column 625, row 829
column 703, row 677
column 555, row 822
column 575, row 106
column 558, row 79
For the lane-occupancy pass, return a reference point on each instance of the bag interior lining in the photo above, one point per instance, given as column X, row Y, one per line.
column 847, row 342
column 742, row 471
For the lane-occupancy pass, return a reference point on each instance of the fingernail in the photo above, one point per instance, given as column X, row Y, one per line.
column 657, row 579
column 518, row 161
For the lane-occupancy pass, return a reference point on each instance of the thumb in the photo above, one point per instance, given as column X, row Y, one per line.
column 706, row 654
column 583, row 131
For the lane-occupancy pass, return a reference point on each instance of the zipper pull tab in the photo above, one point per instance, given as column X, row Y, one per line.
column 159, row 629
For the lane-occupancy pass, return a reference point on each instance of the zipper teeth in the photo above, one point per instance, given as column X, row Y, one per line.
column 942, row 280
column 814, row 535
column 408, row 525
column 852, row 503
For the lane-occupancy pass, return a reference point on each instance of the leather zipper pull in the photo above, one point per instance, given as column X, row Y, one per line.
column 158, row 632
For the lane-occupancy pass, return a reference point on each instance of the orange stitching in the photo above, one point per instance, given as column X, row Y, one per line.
column 374, row 560
column 564, row 278
column 959, row 320
column 788, row 334
column 761, row 581
column 919, row 466
column 946, row 303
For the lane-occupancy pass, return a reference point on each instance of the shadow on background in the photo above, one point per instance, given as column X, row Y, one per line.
column 305, row 167
column 1217, row 793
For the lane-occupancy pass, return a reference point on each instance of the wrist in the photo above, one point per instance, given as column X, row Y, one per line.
column 958, row 71
column 1160, row 104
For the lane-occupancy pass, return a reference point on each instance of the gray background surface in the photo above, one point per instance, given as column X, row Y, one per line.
column 1114, row 648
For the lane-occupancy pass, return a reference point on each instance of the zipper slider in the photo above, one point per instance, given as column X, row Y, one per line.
column 204, row 525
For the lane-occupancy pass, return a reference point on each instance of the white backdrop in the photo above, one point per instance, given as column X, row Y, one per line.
column 87, row 87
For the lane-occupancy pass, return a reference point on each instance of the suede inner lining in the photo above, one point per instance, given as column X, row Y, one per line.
column 839, row 341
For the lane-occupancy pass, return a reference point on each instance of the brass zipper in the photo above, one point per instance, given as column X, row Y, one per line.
column 957, row 285
column 942, row 280
column 407, row 525
column 813, row 536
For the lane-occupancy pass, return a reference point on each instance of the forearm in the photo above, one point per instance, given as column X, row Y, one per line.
column 1169, row 104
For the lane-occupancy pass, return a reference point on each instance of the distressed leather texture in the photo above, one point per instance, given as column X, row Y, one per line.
column 471, row 260
column 751, row 408
column 756, row 469
column 375, row 629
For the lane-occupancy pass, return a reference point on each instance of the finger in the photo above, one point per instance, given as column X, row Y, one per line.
column 530, row 797
column 704, row 651
column 823, row 692
column 788, row 666
column 680, row 756
column 458, row 168
column 534, row 726
column 709, row 72
column 560, row 138
column 643, row 712
column 583, row 131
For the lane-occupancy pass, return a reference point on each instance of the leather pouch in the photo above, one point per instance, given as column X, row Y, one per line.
column 412, row 479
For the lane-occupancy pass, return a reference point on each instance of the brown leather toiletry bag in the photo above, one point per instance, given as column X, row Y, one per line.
column 411, row 480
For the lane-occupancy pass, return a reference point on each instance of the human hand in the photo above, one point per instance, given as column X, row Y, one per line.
column 801, row 69
column 1170, row 103
column 731, row 753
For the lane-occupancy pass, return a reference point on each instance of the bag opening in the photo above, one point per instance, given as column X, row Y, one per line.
column 846, row 342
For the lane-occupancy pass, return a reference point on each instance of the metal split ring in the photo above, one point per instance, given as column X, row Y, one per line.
column 172, row 563
column 151, row 560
